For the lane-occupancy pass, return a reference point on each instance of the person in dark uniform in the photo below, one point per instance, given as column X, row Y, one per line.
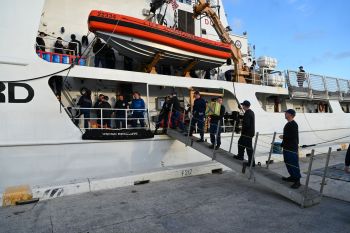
column 74, row 46
column 247, row 134
column 301, row 76
column 99, row 51
column 121, row 114
column 347, row 161
column 109, row 57
column 85, row 102
column 98, row 105
column 214, row 121
column 40, row 43
column 106, row 114
column 175, row 117
column 163, row 115
column 199, row 107
column 290, row 141
column 58, row 46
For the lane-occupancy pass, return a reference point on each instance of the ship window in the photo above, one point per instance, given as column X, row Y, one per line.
column 345, row 106
column 204, row 32
column 186, row 22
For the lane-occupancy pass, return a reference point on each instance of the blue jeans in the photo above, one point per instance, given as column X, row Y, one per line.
column 140, row 116
column 212, row 130
column 97, row 61
column 120, row 122
column 199, row 120
column 176, row 117
column 291, row 160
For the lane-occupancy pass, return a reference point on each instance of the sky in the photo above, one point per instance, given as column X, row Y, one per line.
column 311, row 33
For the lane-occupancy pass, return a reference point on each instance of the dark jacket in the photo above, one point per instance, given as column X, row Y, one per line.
column 110, row 57
column 74, row 45
column 58, row 47
column 105, row 113
column 176, row 104
column 121, row 104
column 290, row 136
column 85, row 102
column 199, row 106
column 215, row 119
column 40, row 44
column 165, row 108
column 248, row 124
column 99, row 49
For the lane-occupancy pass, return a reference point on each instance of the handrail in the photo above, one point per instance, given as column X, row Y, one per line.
column 317, row 86
column 101, row 120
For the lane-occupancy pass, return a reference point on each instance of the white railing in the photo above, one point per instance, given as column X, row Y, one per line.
column 104, row 117
column 317, row 86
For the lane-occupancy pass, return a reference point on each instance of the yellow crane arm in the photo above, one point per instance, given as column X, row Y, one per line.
column 203, row 7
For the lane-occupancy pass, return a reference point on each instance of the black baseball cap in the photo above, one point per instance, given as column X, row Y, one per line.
column 291, row 112
column 196, row 93
column 246, row 103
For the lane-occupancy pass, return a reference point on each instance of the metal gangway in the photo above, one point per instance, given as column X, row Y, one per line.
column 313, row 86
column 304, row 196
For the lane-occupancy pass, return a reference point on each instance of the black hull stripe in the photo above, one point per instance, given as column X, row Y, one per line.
column 157, row 31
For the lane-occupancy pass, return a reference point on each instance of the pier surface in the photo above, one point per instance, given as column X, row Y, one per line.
column 207, row 203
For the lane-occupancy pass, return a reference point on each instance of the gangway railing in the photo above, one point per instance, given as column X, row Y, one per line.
column 313, row 86
column 109, row 118
column 304, row 195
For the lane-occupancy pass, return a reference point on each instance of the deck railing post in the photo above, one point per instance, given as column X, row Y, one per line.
column 101, row 118
column 126, row 118
column 271, row 150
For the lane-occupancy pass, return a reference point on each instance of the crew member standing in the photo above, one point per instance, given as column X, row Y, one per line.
column 301, row 76
column 40, row 43
column 347, row 161
column 289, row 144
column 85, row 104
column 121, row 113
column 199, row 107
column 247, row 134
column 214, row 123
column 163, row 115
column 138, row 109
column 175, row 117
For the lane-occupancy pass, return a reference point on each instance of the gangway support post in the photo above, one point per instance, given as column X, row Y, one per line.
column 271, row 150
column 233, row 132
column 253, row 156
column 308, row 176
column 325, row 170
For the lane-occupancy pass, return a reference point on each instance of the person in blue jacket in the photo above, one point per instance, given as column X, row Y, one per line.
column 137, row 103
column 199, row 107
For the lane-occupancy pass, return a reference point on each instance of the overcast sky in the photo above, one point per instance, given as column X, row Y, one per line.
column 311, row 33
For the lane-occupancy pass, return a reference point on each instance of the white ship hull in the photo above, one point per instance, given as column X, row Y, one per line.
column 40, row 145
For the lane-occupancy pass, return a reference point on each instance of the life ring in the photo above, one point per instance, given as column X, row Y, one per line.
column 321, row 107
